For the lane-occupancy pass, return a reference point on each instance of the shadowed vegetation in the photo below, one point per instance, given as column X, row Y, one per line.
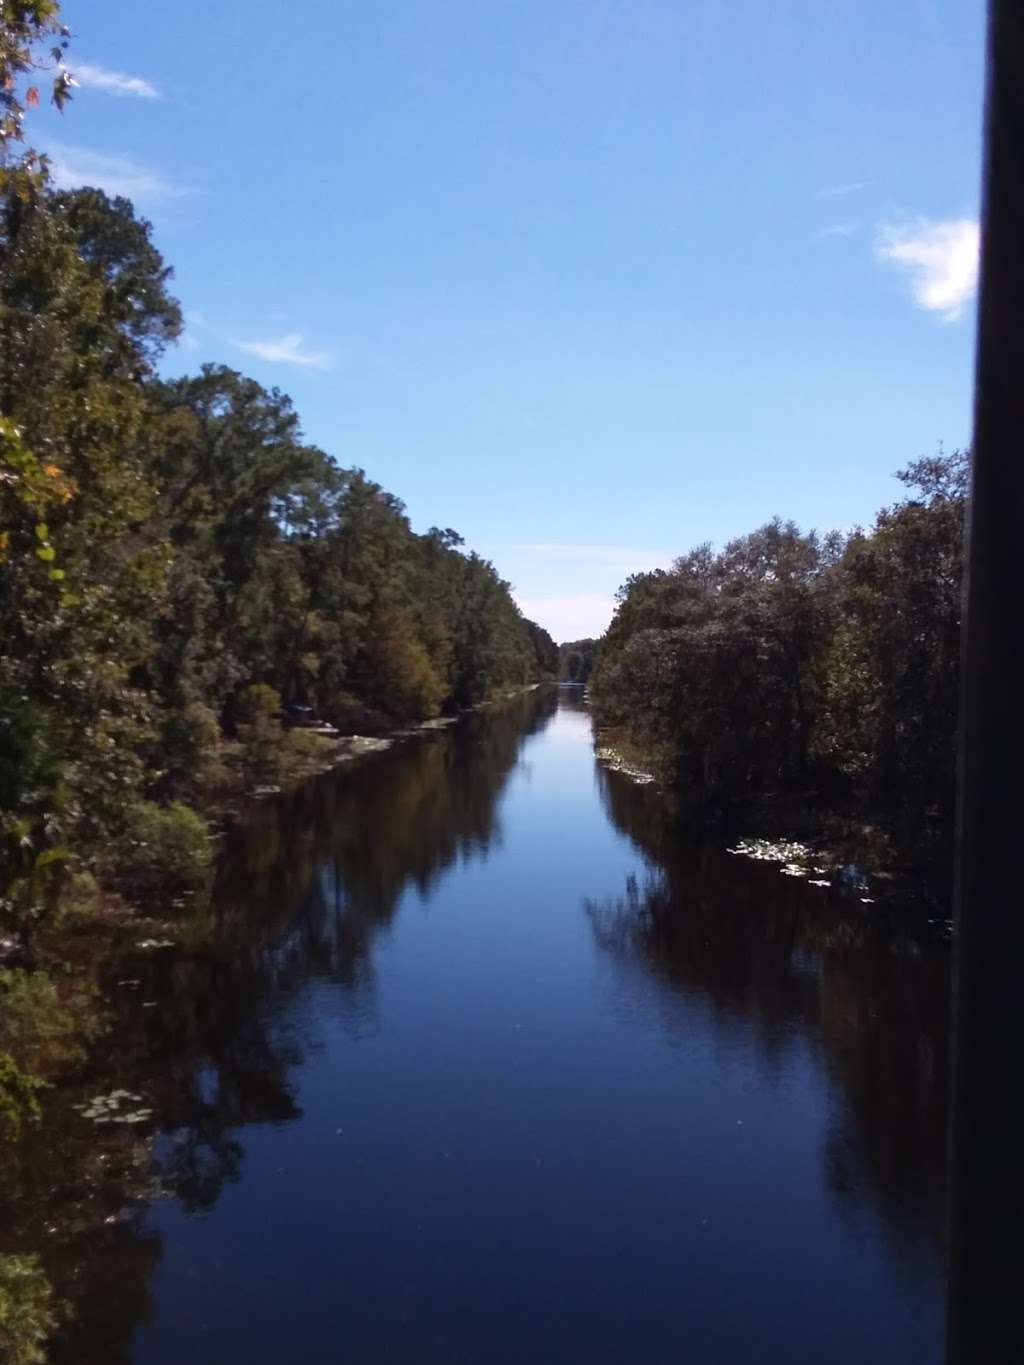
column 795, row 662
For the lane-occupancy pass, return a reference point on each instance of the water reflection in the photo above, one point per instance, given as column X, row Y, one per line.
column 305, row 885
column 543, row 1087
column 865, row 986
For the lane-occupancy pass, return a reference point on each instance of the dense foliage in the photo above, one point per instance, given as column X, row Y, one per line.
column 168, row 546
column 576, row 660
column 787, row 658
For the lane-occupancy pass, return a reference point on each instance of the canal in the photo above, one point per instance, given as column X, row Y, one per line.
column 473, row 1059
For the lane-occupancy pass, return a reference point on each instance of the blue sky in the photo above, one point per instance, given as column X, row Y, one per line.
column 590, row 282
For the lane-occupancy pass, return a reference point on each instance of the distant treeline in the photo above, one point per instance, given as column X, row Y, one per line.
column 575, row 660
column 178, row 564
column 795, row 661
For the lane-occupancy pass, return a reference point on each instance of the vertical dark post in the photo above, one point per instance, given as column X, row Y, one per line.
column 986, row 1313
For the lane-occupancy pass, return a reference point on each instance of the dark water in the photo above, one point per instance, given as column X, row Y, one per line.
column 477, row 1063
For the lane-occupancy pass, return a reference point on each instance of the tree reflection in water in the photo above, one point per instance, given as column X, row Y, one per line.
column 306, row 883
column 868, row 987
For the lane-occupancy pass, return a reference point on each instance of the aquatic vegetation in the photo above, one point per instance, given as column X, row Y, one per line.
column 794, row 857
column 368, row 744
column 111, row 1108
column 611, row 758
column 775, row 851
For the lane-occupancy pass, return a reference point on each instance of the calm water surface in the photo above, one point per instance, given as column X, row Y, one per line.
column 478, row 1063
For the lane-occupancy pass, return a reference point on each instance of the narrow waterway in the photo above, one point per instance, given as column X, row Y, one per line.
column 477, row 1062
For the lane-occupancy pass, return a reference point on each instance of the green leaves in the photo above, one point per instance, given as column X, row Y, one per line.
column 786, row 656
column 19, row 1105
column 113, row 1108
column 29, row 1310
column 45, row 550
column 50, row 856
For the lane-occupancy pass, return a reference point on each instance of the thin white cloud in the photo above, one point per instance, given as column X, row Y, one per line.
column 286, row 350
column 72, row 167
column 571, row 616
column 837, row 230
column 836, row 191
column 92, row 77
column 188, row 342
column 941, row 259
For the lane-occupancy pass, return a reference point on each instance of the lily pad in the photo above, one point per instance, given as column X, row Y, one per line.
column 112, row 1108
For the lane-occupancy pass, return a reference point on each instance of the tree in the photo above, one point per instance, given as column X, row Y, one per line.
column 892, row 667
column 576, row 660
column 26, row 28
column 82, row 564
column 787, row 655
column 117, row 247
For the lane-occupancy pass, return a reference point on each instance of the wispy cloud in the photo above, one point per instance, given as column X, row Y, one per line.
column 837, row 230
column 92, row 77
column 941, row 259
column 836, row 191
column 286, row 350
column 72, row 167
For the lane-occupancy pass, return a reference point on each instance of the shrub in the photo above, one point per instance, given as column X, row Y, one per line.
column 43, row 1030
column 260, row 733
column 29, row 1311
column 164, row 845
column 261, row 705
column 40, row 1030
column 303, row 753
column 353, row 717
column 18, row 1105
column 28, row 765
column 191, row 742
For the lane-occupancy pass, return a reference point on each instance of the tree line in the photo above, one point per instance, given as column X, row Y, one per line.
column 789, row 660
column 575, row 661
column 169, row 544
column 177, row 561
